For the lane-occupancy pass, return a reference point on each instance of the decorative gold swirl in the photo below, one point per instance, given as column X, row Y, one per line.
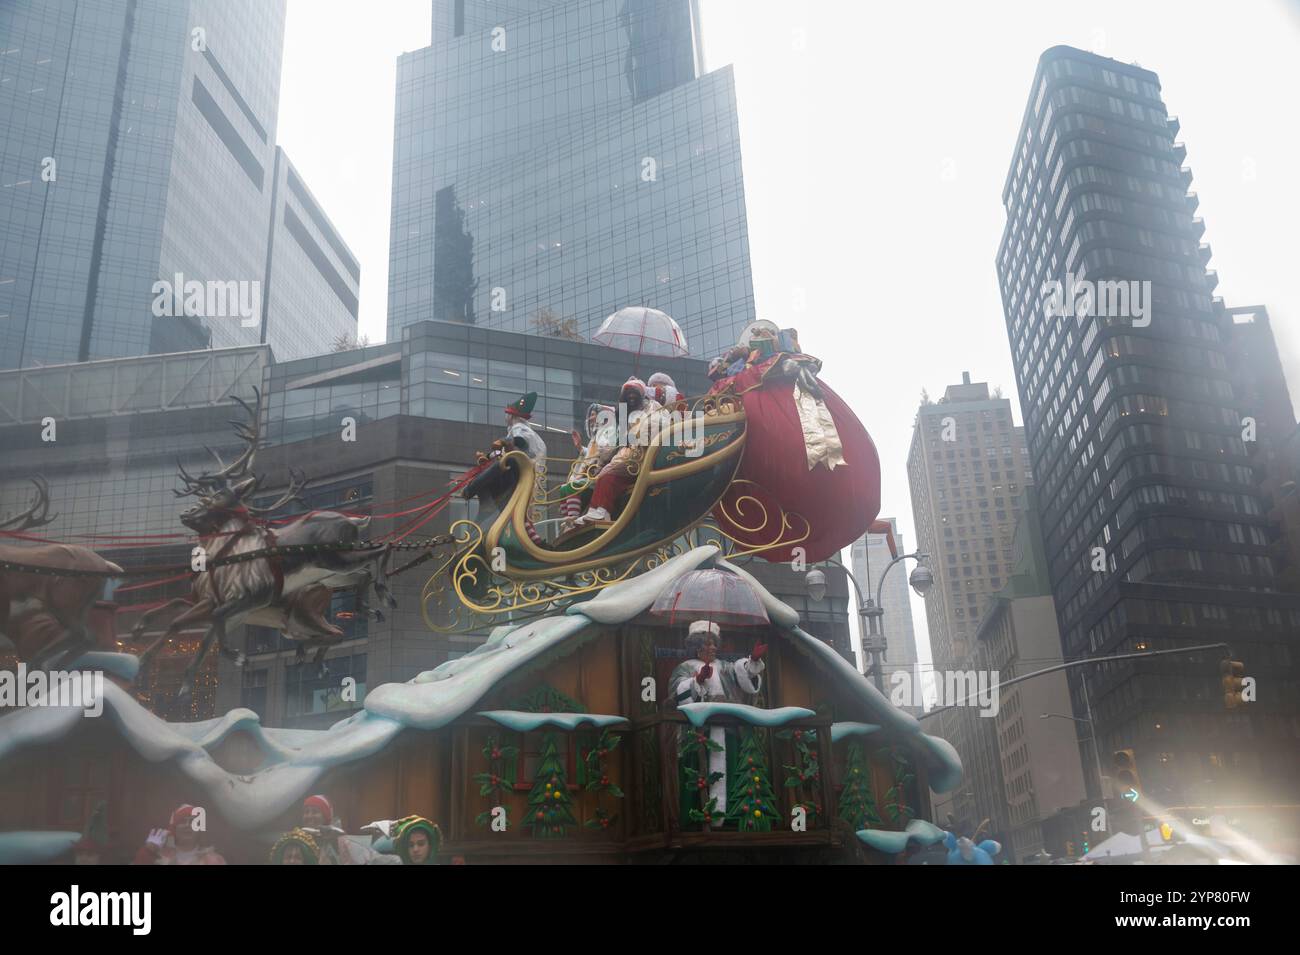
column 720, row 404
column 469, row 612
column 698, row 448
column 735, row 513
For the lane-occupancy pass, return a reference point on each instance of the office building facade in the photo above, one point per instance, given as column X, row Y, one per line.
column 1038, row 748
column 313, row 281
column 555, row 162
column 1155, row 532
column 967, row 470
column 137, row 172
column 967, row 467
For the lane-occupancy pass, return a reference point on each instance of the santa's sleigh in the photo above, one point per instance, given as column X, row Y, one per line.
column 684, row 471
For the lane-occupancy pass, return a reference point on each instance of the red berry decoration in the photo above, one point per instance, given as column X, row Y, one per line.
column 539, row 815
column 701, row 784
column 496, row 754
column 604, row 780
column 798, row 734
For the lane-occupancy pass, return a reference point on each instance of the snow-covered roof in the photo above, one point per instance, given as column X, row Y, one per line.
column 295, row 759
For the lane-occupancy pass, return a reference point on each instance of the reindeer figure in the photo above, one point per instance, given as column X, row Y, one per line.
column 43, row 613
column 290, row 589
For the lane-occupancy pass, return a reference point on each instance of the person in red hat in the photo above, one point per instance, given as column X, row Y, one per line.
column 178, row 844
column 335, row 848
column 494, row 485
column 616, row 476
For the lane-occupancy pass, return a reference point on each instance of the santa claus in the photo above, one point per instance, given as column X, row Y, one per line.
column 704, row 678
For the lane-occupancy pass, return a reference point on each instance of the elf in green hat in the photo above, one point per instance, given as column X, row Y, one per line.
column 295, row 847
column 416, row 840
column 494, row 485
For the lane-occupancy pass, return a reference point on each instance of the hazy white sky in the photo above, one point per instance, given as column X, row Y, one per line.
column 875, row 142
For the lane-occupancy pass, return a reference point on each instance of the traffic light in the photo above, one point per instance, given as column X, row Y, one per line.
column 1083, row 845
column 1124, row 764
column 1069, row 849
column 1233, row 671
column 1166, row 832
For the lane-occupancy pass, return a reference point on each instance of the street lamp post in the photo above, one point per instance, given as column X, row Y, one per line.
column 869, row 612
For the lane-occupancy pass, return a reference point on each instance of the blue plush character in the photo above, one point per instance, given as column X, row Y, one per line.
column 965, row 851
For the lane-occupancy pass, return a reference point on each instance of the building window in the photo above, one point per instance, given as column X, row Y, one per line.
column 252, row 695
column 313, row 689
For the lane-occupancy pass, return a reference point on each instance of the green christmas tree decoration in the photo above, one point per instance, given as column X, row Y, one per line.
column 598, row 779
column 857, row 805
column 550, row 807
column 750, row 800
column 900, row 813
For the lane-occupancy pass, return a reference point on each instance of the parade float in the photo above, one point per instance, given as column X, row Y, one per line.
column 638, row 696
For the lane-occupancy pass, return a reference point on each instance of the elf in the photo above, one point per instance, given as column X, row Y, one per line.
column 494, row 485
column 416, row 840
column 296, row 847
column 178, row 844
column 336, row 848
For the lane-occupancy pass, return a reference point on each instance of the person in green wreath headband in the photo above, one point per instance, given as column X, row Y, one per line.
column 416, row 840
column 295, row 847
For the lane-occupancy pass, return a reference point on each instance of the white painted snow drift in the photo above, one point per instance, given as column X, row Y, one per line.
column 296, row 759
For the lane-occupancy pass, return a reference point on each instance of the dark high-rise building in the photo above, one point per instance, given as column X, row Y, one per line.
column 556, row 161
column 1155, row 532
column 137, row 171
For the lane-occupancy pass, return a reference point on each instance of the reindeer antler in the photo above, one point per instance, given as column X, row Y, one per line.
column 38, row 515
column 249, row 432
column 297, row 482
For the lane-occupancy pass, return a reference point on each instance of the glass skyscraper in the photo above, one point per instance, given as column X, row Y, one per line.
column 1156, row 535
column 556, row 161
column 138, row 149
column 313, row 281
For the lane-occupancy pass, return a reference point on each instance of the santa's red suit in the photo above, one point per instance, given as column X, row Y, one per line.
column 807, row 454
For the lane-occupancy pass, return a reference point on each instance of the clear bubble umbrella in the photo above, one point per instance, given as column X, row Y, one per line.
column 711, row 594
column 643, row 331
